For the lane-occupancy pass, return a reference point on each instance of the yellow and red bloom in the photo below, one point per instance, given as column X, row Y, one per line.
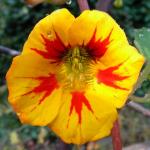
column 73, row 74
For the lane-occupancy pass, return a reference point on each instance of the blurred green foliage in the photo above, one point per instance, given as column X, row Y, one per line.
column 142, row 38
column 134, row 14
column 16, row 22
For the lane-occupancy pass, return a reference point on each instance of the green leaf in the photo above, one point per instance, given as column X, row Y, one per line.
column 142, row 41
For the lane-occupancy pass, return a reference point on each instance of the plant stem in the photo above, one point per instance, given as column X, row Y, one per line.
column 83, row 5
column 143, row 76
column 116, row 138
column 9, row 51
column 145, row 99
column 76, row 147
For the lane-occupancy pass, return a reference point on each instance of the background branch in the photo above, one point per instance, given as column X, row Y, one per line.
column 103, row 5
column 83, row 5
column 139, row 108
column 6, row 50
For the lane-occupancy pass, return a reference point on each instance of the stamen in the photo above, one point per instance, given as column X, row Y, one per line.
column 74, row 73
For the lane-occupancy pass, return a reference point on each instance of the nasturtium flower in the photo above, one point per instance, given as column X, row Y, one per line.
column 73, row 74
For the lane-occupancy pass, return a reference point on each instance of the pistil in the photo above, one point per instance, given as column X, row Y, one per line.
column 75, row 69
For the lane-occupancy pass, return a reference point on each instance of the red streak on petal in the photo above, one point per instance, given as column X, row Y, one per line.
column 108, row 77
column 46, row 86
column 54, row 49
column 97, row 49
column 78, row 99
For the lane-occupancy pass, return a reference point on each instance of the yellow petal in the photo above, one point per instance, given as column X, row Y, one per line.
column 94, row 21
column 85, row 117
column 33, row 89
column 51, row 27
column 119, row 82
column 30, row 111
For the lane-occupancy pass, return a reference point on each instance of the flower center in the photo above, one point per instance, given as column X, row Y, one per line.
column 75, row 71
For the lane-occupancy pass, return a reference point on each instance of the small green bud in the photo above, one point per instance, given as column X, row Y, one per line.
column 118, row 3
